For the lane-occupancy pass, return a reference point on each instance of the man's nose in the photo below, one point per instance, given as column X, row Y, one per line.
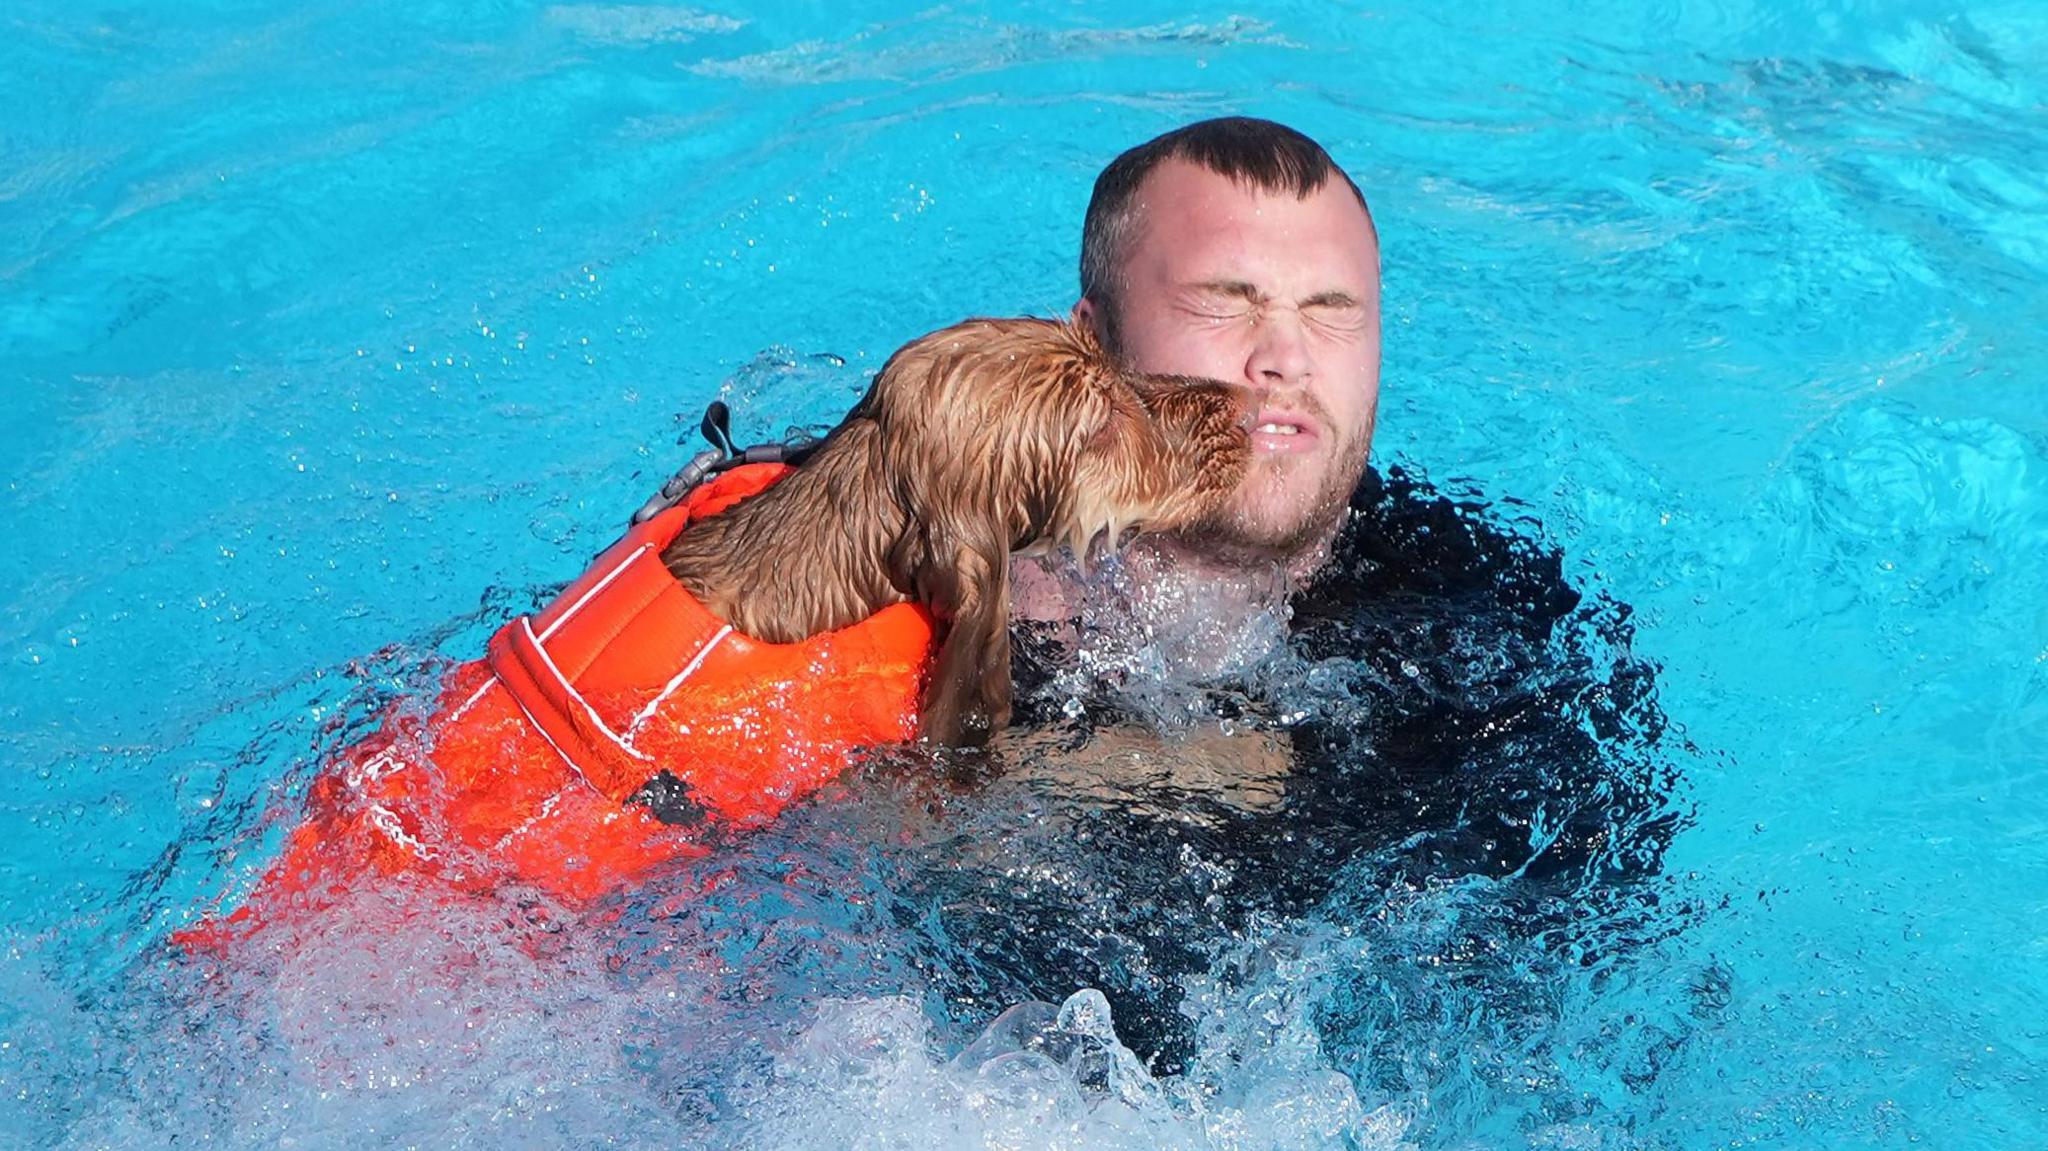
column 1279, row 351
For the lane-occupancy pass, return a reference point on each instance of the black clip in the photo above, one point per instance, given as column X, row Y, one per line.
column 722, row 454
column 679, row 485
column 717, row 427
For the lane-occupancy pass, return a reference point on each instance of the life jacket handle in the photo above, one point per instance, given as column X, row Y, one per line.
column 722, row 456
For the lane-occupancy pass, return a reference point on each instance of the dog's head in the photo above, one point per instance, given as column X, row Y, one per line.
column 1002, row 436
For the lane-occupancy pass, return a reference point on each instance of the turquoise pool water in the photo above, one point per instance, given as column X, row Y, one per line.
column 334, row 334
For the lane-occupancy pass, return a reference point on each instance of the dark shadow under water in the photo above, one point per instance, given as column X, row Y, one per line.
column 1494, row 725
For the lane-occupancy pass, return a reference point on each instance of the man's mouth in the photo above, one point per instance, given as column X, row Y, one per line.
column 1275, row 432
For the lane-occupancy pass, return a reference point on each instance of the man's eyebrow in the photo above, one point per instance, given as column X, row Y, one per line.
column 1242, row 289
column 1249, row 292
column 1334, row 298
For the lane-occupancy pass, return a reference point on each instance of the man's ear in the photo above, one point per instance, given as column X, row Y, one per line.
column 1089, row 315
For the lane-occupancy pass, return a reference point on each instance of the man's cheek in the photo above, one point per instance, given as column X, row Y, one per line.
column 1203, row 349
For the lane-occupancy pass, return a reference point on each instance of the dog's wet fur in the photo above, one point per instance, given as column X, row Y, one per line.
column 976, row 441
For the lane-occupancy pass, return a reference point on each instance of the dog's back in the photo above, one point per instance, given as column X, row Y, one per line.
column 976, row 441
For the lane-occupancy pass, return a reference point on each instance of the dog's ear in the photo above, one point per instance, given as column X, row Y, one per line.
column 961, row 571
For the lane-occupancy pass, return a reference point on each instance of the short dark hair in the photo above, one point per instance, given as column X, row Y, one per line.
column 1260, row 153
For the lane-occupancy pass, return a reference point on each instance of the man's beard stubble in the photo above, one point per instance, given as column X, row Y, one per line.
column 1231, row 533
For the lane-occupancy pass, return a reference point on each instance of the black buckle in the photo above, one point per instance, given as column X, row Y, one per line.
column 717, row 427
column 721, row 455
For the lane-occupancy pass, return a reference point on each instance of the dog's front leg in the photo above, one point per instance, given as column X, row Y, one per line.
column 967, row 697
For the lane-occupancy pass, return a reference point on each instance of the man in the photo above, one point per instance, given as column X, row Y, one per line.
column 1469, row 714
column 1236, row 249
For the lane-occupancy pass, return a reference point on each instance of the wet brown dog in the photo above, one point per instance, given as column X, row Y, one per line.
column 979, row 440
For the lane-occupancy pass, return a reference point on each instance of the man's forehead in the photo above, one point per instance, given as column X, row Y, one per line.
column 1197, row 226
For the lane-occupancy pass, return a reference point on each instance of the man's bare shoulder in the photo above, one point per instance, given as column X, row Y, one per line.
column 1038, row 593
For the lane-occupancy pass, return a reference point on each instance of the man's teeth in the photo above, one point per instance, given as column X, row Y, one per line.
column 1279, row 429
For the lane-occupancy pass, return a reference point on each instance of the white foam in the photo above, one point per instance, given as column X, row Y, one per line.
column 1039, row 1076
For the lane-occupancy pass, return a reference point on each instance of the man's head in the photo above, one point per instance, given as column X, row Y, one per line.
column 1236, row 249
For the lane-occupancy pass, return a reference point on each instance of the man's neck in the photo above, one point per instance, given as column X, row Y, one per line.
column 1201, row 575
column 1228, row 564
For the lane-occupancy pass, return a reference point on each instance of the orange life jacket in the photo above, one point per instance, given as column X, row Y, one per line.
column 521, row 770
